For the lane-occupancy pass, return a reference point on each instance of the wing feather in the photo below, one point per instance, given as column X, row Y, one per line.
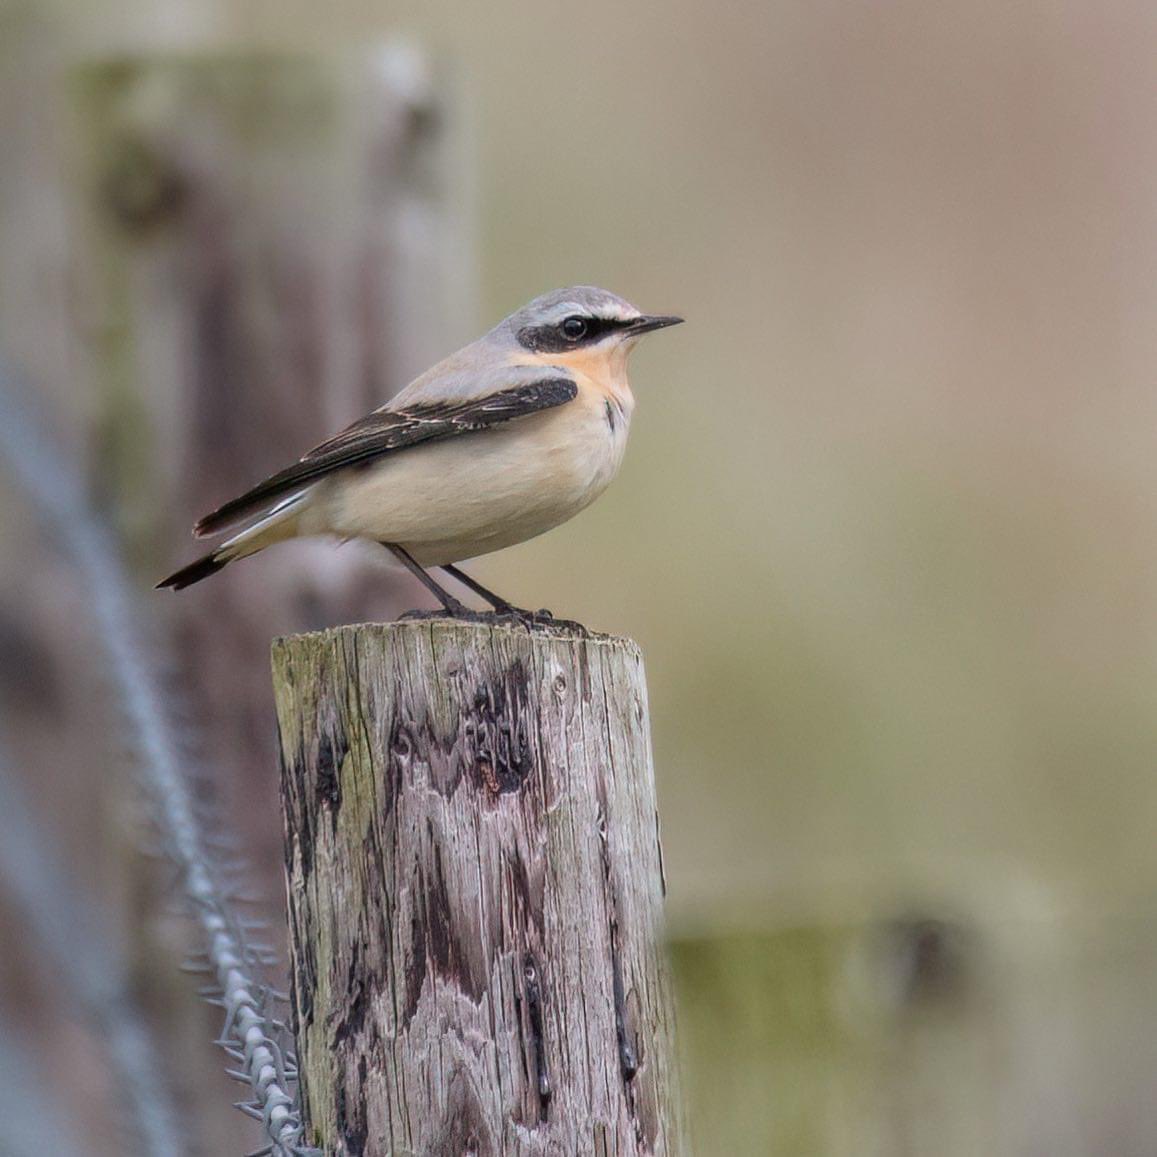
column 387, row 431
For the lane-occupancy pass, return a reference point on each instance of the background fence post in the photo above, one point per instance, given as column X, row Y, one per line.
column 265, row 246
column 268, row 247
column 475, row 889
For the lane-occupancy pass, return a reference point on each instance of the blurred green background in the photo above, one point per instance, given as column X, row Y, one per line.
column 886, row 531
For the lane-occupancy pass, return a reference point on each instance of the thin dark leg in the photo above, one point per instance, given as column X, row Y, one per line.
column 448, row 601
column 496, row 601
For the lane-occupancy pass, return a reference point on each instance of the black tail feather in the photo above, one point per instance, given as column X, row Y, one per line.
column 194, row 572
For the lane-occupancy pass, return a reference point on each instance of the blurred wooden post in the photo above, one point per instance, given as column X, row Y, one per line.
column 475, row 890
column 267, row 246
column 847, row 1037
column 266, row 251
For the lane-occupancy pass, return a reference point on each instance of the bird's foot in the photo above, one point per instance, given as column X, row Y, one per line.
column 541, row 620
column 521, row 614
column 510, row 611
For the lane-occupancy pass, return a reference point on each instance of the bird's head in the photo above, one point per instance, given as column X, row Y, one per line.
column 581, row 325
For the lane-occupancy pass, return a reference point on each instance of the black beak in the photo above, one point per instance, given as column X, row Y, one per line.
column 647, row 323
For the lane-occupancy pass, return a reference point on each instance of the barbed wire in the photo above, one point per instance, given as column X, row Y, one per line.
column 249, row 1036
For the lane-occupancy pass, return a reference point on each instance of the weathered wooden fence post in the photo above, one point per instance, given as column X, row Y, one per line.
column 475, row 890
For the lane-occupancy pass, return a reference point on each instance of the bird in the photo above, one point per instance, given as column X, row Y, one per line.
column 498, row 443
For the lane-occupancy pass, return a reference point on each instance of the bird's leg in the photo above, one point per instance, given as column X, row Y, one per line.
column 496, row 601
column 500, row 605
column 449, row 603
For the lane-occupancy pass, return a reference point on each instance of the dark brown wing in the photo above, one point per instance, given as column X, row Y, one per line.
column 385, row 431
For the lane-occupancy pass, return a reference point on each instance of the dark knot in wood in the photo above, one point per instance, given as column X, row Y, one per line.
column 534, row 1000
column 332, row 748
column 498, row 732
column 142, row 188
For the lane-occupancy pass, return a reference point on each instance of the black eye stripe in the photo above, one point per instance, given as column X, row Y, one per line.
column 552, row 339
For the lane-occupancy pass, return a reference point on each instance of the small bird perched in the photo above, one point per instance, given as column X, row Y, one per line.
column 501, row 441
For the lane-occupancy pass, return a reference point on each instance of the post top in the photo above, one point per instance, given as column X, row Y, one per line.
column 442, row 629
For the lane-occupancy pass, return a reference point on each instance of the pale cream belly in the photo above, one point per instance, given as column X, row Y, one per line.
column 476, row 493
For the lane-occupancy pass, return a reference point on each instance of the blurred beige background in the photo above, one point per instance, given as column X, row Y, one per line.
column 887, row 530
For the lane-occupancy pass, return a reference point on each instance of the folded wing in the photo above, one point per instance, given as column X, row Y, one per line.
column 388, row 431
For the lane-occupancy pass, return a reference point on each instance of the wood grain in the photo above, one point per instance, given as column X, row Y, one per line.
column 475, row 889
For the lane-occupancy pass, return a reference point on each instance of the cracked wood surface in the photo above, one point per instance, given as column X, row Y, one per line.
column 475, row 891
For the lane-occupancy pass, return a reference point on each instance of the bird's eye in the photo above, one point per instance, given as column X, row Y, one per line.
column 574, row 328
